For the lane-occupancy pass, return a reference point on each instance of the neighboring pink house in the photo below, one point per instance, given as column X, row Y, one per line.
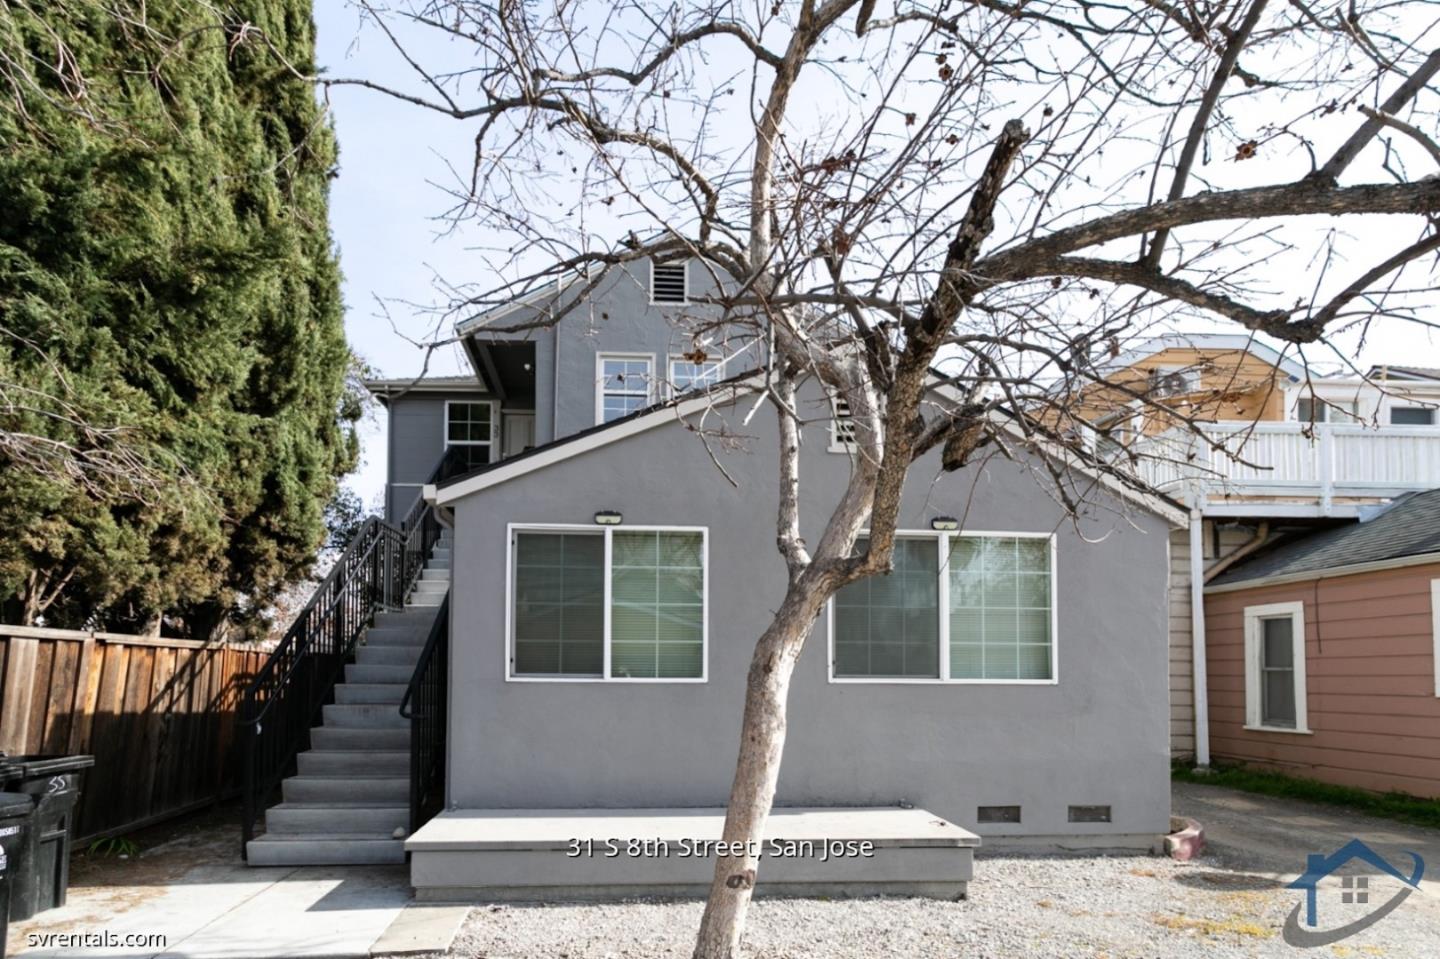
column 1323, row 651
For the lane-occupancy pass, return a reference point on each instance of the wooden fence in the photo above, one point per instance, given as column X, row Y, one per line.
column 158, row 715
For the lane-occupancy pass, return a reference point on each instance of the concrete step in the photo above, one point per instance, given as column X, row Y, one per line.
column 298, row 850
column 413, row 635
column 440, row 552
column 378, row 820
column 438, row 563
column 346, row 789
column 397, row 619
column 436, row 586
column 358, row 738
column 388, row 655
column 419, row 600
column 379, row 674
column 429, row 575
column 370, row 693
column 366, row 715
column 352, row 763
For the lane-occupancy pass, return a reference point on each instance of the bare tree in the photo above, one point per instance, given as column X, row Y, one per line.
column 1011, row 190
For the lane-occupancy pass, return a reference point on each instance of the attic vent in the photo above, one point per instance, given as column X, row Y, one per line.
column 1089, row 813
column 667, row 282
column 842, row 425
column 1174, row 381
column 997, row 814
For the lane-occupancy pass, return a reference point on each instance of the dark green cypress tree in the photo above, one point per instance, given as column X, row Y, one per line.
column 172, row 352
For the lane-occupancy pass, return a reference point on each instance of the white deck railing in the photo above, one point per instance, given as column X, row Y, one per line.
column 1289, row 459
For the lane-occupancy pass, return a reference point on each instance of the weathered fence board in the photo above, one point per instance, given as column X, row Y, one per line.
column 157, row 714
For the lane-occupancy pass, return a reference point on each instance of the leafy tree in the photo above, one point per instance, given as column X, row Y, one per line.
column 173, row 411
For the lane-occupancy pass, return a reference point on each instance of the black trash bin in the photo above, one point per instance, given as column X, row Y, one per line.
column 53, row 785
column 15, row 809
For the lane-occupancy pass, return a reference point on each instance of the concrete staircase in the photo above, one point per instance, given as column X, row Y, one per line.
column 351, row 793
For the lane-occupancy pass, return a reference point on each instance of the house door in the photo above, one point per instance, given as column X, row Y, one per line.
column 519, row 434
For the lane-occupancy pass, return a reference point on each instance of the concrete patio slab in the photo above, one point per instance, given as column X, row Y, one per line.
column 232, row 911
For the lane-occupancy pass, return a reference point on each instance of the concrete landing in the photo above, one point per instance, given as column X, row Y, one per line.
column 600, row 854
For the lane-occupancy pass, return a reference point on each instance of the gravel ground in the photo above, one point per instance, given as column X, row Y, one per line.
column 1230, row 903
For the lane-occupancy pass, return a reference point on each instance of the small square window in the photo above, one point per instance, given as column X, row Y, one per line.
column 842, row 426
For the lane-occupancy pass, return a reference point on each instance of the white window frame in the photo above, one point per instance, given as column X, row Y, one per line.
column 493, row 442
column 674, row 358
column 1254, row 644
column 608, row 533
column 685, row 264
column 944, row 540
column 1423, row 408
column 837, row 445
column 1435, row 630
column 600, row 359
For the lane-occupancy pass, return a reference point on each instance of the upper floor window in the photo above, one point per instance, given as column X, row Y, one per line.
column 1174, row 380
column 687, row 375
column 669, row 282
column 1412, row 416
column 471, row 427
column 623, row 384
column 842, row 426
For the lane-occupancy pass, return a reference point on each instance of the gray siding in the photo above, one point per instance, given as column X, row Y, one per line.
column 1097, row 736
column 415, row 442
column 616, row 317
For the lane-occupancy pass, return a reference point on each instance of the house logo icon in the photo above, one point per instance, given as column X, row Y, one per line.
column 1353, row 890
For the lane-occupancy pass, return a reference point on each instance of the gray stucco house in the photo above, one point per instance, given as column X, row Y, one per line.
column 611, row 565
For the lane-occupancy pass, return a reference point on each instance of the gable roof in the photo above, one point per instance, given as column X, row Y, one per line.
column 1409, row 528
column 744, row 384
column 1210, row 343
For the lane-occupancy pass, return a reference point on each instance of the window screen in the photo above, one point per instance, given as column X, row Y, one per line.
column 657, row 605
column 1277, row 672
column 889, row 626
column 686, row 376
column 559, row 604
column 624, row 386
column 1000, row 608
column 667, row 282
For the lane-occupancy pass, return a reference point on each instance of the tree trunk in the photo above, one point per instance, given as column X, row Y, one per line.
column 758, row 768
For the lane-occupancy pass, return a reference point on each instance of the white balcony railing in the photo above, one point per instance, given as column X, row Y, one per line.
column 1292, row 459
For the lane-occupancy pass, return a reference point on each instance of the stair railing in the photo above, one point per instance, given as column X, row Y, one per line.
column 375, row 572
column 424, row 704
column 284, row 700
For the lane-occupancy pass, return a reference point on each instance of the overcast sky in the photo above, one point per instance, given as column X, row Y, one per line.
column 385, row 207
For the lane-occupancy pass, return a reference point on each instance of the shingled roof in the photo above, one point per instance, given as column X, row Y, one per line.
column 1411, row 527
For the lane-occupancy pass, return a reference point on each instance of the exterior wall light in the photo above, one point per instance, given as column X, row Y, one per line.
column 945, row 523
column 608, row 517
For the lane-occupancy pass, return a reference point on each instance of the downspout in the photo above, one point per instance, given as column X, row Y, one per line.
column 1199, row 681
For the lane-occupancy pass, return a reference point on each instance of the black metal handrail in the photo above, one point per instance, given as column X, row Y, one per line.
column 424, row 704
column 376, row 571
column 283, row 701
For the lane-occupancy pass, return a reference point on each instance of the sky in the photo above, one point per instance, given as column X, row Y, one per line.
column 385, row 211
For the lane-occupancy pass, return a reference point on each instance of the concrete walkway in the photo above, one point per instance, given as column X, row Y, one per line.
column 231, row 911
column 1270, row 836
